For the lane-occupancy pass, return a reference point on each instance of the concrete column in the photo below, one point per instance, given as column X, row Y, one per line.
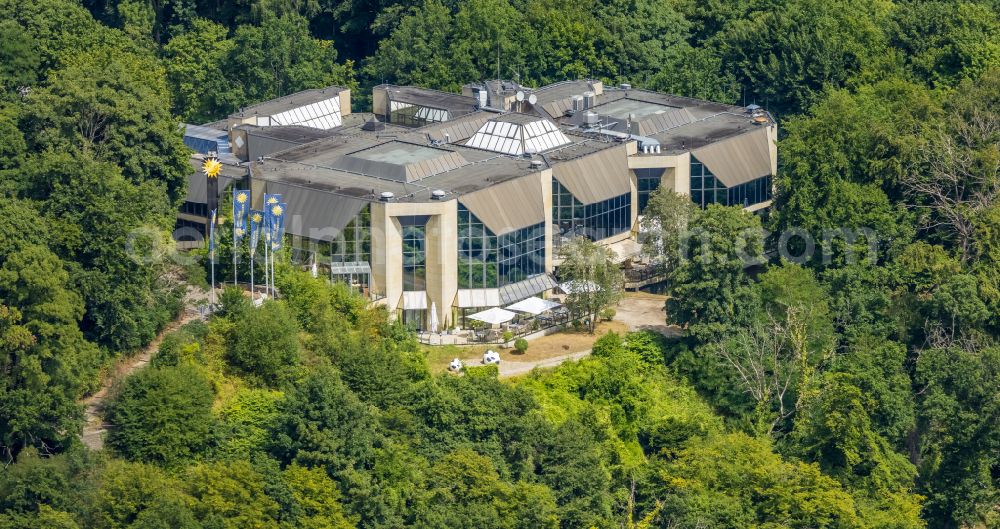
column 545, row 177
column 387, row 256
column 442, row 260
column 682, row 174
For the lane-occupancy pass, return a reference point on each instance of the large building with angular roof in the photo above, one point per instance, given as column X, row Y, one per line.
column 450, row 203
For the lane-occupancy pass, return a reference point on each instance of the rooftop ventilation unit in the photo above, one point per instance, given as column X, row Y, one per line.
column 386, row 196
column 625, row 86
column 479, row 93
column 589, row 98
column 437, row 194
column 536, row 164
column 577, row 102
column 373, row 124
column 591, row 119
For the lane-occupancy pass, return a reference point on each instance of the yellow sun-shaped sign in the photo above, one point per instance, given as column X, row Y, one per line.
column 272, row 200
column 211, row 167
column 256, row 217
column 241, row 198
column 277, row 211
column 239, row 232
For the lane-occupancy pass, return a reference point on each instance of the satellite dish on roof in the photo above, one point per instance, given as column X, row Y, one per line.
column 532, row 99
column 519, row 96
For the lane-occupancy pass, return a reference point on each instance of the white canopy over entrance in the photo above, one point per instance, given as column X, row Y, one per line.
column 494, row 316
column 533, row 305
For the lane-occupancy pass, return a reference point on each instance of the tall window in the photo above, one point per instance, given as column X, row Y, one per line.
column 596, row 221
column 486, row 260
column 355, row 241
column 647, row 181
column 415, row 115
column 414, row 252
column 707, row 189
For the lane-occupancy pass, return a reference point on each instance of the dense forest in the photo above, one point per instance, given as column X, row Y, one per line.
column 857, row 386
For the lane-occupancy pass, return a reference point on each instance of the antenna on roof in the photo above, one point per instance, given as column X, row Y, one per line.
column 498, row 58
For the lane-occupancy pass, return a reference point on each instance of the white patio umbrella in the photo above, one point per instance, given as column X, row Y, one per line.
column 494, row 316
column 434, row 317
column 533, row 305
column 575, row 287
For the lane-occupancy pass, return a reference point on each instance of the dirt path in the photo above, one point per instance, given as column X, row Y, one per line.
column 637, row 311
column 509, row 368
column 94, row 426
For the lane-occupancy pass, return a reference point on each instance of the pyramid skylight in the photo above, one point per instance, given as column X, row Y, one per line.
column 518, row 134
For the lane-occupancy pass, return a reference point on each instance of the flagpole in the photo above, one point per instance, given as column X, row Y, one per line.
column 267, row 282
column 211, row 237
column 252, row 295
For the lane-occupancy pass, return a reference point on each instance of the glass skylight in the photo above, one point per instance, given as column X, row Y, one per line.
column 518, row 138
column 320, row 115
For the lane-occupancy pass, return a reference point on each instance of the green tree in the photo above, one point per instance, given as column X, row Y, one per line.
column 734, row 480
column 162, row 415
column 277, row 58
column 264, row 343
column 46, row 361
column 112, row 233
column 317, row 499
column 958, row 403
column 572, row 466
column 596, row 280
column 193, row 63
column 710, row 289
column 230, row 496
column 790, row 292
column 835, row 431
column 115, row 105
column 133, row 495
column 879, row 368
column 943, row 42
column 666, row 223
column 415, row 52
column 786, row 54
column 321, row 422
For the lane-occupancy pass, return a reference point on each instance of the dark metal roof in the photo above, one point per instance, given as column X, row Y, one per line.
column 298, row 99
column 455, row 104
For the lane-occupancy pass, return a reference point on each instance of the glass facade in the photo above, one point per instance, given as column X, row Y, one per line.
column 647, row 181
column 414, row 115
column 596, row 221
column 486, row 260
column 355, row 242
column 414, row 252
column 707, row 189
column 195, row 208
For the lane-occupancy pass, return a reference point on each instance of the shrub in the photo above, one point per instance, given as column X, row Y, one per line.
column 489, row 371
column 608, row 314
column 162, row 415
column 507, row 336
column 264, row 343
column 521, row 345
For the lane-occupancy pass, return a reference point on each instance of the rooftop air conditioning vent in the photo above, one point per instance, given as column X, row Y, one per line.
column 386, row 196
column 625, row 86
column 577, row 102
column 591, row 119
column 536, row 164
column 437, row 194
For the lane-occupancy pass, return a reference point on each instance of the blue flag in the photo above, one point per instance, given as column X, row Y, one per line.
column 256, row 224
column 241, row 205
column 277, row 225
column 211, row 237
column 269, row 202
